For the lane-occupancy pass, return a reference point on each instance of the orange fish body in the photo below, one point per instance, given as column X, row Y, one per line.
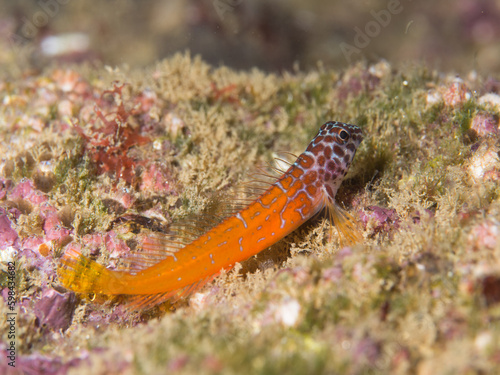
column 309, row 185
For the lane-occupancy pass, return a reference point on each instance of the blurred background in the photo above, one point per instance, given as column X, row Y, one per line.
column 273, row 35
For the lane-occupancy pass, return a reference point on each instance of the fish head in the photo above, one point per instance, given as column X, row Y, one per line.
column 332, row 152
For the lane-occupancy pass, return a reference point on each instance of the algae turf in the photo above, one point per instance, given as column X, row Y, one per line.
column 419, row 294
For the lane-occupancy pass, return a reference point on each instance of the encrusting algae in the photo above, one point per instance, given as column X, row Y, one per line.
column 174, row 266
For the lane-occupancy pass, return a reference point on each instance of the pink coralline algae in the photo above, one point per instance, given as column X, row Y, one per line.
column 116, row 247
column 8, row 236
column 33, row 260
column 69, row 81
column 32, row 242
column 381, row 219
column 25, row 190
column 55, row 310
column 36, row 364
column 156, row 179
column 53, row 226
column 355, row 83
column 123, row 197
column 484, row 165
column 335, row 274
column 95, row 317
column 484, row 124
column 366, row 350
column 484, row 236
column 456, row 94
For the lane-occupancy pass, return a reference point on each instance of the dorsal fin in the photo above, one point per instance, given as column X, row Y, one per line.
column 261, row 177
column 157, row 246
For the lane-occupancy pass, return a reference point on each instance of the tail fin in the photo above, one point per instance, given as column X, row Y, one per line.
column 83, row 275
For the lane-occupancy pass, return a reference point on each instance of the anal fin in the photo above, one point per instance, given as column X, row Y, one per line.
column 147, row 301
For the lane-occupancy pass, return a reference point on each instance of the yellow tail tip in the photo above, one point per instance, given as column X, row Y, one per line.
column 81, row 274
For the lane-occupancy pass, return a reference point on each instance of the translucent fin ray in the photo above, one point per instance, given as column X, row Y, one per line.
column 345, row 223
column 83, row 275
column 260, row 179
column 146, row 302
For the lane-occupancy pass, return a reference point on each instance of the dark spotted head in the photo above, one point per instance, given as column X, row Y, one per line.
column 329, row 155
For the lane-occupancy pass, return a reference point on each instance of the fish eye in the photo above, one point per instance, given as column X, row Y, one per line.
column 344, row 135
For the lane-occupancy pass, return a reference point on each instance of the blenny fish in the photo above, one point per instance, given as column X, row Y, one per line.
column 170, row 267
